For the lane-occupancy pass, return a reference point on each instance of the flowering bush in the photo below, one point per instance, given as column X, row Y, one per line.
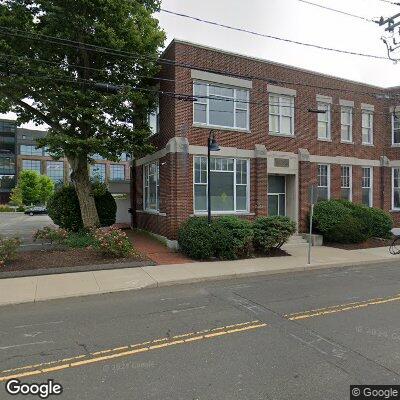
column 8, row 249
column 52, row 235
column 112, row 242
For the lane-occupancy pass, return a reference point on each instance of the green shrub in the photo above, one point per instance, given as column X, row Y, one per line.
column 196, row 239
column 381, row 223
column 8, row 249
column 21, row 209
column 64, row 210
column 272, row 232
column 347, row 230
column 4, row 208
column 232, row 238
column 52, row 235
column 112, row 242
column 79, row 240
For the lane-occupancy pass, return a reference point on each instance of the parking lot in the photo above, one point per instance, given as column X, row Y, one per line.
column 21, row 225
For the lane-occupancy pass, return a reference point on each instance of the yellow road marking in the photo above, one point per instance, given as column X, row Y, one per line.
column 340, row 308
column 170, row 342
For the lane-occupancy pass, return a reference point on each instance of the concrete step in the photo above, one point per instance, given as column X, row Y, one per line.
column 296, row 240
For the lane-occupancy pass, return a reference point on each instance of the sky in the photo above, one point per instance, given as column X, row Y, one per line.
column 291, row 19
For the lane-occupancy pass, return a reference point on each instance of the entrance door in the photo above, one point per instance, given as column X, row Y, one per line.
column 276, row 195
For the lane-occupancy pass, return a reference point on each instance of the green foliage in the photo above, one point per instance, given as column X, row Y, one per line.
column 8, row 249
column 21, row 209
column 80, row 240
column 232, row 238
column 16, row 197
column 113, row 242
column 45, row 189
column 272, row 232
column 4, row 208
column 342, row 221
column 63, row 207
column 50, row 235
column 28, row 184
column 196, row 238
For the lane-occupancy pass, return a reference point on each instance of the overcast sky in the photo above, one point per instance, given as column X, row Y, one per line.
column 291, row 19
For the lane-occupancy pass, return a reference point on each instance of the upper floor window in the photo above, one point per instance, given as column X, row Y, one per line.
column 367, row 118
column 396, row 128
column 323, row 180
column 117, row 172
column 151, row 187
column 7, row 165
column 324, row 121
column 347, row 124
column 346, row 182
column 154, row 121
column 220, row 106
column 30, row 150
column 32, row 165
column 281, row 114
column 98, row 172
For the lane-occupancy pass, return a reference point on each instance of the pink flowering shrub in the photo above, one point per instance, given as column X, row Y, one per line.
column 52, row 235
column 8, row 249
column 112, row 242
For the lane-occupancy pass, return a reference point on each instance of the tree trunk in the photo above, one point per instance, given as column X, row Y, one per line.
column 81, row 182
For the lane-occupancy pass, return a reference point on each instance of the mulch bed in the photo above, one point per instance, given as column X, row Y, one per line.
column 370, row 243
column 44, row 259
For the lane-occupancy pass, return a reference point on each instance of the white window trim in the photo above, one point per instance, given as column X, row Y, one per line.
column 147, row 209
column 350, row 180
column 350, row 109
column 207, row 102
column 233, row 212
column 393, row 207
column 371, row 113
column 328, row 137
column 280, row 115
column 393, row 143
column 328, row 168
column 371, row 180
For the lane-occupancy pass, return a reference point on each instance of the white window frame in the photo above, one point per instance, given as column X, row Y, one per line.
column 371, row 184
column 205, row 100
column 154, row 129
column 370, row 128
column 328, row 169
column 146, row 169
column 234, row 211
column 393, row 188
column 280, row 115
column 350, row 177
column 349, row 110
column 326, row 106
column 394, row 114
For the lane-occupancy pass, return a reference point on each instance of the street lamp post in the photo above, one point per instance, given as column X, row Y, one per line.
column 212, row 145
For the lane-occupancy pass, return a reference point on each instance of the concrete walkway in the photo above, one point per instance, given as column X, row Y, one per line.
column 45, row 287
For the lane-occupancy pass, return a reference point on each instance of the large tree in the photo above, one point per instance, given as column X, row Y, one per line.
column 55, row 57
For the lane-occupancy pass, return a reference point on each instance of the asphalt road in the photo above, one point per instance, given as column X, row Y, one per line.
column 293, row 336
column 21, row 225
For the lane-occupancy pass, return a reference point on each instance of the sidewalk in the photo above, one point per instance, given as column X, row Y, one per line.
column 45, row 287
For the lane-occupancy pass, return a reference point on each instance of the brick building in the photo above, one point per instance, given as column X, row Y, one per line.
column 272, row 147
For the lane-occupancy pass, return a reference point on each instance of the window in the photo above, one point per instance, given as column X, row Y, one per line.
column 98, row 172
column 7, row 182
column 55, row 171
column 367, row 118
column 221, row 106
column 324, row 121
column 366, row 186
column 154, row 121
column 281, row 115
column 346, row 182
column 347, row 124
column 396, row 188
column 323, row 178
column 151, row 187
column 117, row 172
column 7, row 165
column 229, row 184
column 396, row 128
column 31, row 165
column 29, row 150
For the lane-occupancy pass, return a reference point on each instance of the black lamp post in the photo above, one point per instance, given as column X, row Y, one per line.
column 212, row 145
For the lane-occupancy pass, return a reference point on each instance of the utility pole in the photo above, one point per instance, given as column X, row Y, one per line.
column 392, row 41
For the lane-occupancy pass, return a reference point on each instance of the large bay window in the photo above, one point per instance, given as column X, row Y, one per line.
column 396, row 128
column 367, row 118
column 346, row 182
column 220, row 106
column 324, row 121
column 229, row 185
column 347, row 124
column 151, row 187
column 281, row 115
column 366, row 186
column 323, row 178
column 396, row 188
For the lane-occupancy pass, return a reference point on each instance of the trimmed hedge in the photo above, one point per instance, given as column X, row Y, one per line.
column 272, row 232
column 342, row 221
column 63, row 207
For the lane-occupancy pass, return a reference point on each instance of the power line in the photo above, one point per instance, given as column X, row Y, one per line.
column 315, row 46
column 337, row 11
